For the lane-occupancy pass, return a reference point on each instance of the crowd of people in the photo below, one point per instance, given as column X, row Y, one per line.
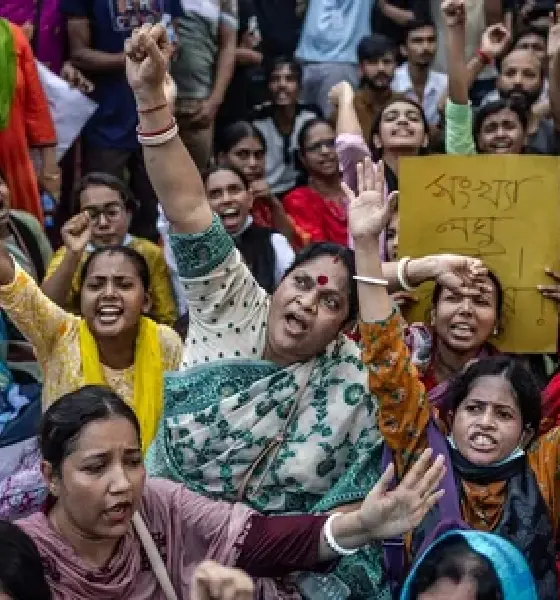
column 207, row 387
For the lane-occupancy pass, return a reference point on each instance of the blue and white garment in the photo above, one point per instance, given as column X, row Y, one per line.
column 510, row 566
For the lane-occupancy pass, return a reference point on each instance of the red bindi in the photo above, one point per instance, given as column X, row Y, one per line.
column 322, row 280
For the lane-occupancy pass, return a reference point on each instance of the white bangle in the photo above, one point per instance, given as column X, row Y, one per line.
column 401, row 268
column 160, row 138
column 327, row 530
column 372, row 280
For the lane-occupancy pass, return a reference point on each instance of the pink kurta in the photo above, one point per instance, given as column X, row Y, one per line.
column 187, row 528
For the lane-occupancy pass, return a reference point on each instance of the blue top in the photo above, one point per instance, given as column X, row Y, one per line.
column 509, row 564
column 333, row 29
column 111, row 22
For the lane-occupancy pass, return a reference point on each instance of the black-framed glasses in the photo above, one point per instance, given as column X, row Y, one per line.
column 111, row 211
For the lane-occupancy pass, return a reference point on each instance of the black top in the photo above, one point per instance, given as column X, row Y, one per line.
column 280, row 26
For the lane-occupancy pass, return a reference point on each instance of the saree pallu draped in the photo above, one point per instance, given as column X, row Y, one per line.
column 219, row 418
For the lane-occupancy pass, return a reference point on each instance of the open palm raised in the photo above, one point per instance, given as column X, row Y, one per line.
column 369, row 213
column 388, row 513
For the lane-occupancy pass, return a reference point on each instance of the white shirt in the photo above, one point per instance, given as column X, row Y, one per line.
column 435, row 87
column 281, row 176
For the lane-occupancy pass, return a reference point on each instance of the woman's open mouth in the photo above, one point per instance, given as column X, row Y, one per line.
column 482, row 442
column 109, row 315
column 119, row 512
column 230, row 217
column 295, row 325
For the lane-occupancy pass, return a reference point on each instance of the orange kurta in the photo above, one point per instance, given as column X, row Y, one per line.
column 404, row 412
column 30, row 125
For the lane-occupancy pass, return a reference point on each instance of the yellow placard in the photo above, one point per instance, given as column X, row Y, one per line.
column 503, row 209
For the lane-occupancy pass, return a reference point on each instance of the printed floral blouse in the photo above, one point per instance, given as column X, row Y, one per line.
column 404, row 413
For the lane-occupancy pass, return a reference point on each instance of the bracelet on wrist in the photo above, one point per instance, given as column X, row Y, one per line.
column 153, row 109
column 160, row 137
column 371, row 280
column 402, row 274
column 333, row 544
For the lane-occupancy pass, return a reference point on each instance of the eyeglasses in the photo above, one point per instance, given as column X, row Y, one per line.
column 111, row 211
column 318, row 145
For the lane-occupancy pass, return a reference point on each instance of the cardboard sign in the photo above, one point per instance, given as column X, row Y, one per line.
column 503, row 209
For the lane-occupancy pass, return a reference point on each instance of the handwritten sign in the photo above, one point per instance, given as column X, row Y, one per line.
column 503, row 209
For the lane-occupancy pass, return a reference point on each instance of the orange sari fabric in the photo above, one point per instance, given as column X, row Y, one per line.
column 30, row 125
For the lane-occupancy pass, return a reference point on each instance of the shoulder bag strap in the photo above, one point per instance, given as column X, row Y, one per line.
column 154, row 557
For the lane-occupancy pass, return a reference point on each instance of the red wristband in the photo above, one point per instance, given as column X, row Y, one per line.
column 484, row 57
column 147, row 111
column 154, row 133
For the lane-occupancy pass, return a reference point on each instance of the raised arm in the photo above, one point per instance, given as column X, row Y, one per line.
column 172, row 172
column 368, row 215
column 400, row 16
column 494, row 43
column 342, row 98
column 455, row 24
column 41, row 321
column 76, row 234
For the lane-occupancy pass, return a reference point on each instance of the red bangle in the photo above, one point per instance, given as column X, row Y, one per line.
column 147, row 111
column 154, row 133
column 484, row 57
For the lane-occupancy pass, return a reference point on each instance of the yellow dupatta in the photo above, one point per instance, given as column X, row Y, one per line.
column 148, row 374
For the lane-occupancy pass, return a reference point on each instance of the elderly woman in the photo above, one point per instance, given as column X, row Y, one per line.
column 272, row 406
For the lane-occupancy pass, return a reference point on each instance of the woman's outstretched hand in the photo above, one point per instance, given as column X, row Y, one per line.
column 388, row 513
column 147, row 54
column 369, row 213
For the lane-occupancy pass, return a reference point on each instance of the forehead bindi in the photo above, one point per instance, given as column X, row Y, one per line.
column 327, row 272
